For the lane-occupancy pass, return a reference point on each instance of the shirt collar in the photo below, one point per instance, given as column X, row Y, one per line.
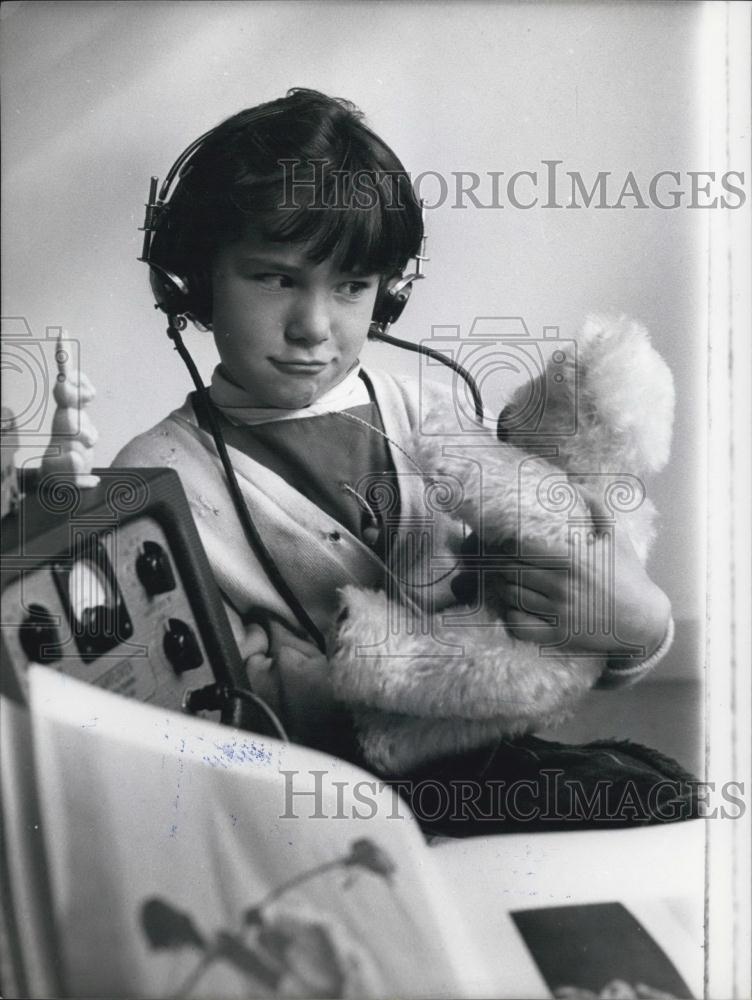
column 237, row 406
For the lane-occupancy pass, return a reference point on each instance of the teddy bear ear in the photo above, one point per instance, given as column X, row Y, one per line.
column 506, row 423
column 540, row 410
column 520, row 424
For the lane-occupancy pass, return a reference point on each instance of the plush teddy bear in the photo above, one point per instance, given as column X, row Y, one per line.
column 426, row 681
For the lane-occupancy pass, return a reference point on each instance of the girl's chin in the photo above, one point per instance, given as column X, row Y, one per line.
column 295, row 398
column 289, row 392
column 297, row 393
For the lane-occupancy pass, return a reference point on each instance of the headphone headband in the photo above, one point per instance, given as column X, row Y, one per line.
column 173, row 292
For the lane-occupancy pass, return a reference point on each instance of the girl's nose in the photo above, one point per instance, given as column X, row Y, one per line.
column 309, row 320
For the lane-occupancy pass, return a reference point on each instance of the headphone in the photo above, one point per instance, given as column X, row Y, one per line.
column 172, row 292
column 394, row 293
column 175, row 294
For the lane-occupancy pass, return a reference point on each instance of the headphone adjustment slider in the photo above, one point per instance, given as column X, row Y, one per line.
column 154, row 208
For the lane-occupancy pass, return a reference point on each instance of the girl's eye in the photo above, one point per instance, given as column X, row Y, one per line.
column 354, row 289
column 273, row 281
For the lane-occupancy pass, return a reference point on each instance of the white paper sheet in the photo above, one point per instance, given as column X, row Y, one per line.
column 164, row 831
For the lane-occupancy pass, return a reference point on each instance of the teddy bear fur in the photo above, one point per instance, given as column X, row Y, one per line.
column 426, row 679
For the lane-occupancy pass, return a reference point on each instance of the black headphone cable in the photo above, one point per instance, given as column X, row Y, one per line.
column 376, row 333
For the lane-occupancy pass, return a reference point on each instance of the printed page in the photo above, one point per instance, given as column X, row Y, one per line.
column 550, row 887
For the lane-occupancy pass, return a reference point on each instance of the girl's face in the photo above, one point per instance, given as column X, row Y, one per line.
column 286, row 329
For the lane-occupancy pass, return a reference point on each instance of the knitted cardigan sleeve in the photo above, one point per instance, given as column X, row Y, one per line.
column 625, row 673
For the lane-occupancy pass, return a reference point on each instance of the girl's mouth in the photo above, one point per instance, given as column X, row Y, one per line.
column 299, row 367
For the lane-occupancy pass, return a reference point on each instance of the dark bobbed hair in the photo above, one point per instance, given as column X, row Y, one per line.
column 301, row 169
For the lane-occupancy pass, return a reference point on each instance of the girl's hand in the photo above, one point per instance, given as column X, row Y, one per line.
column 71, row 448
column 596, row 606
column 256, row 652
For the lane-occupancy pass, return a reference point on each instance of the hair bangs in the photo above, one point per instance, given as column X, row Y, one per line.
column 365, row 221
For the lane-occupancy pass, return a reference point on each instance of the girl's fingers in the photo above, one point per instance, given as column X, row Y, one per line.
column 599, row 512
column 531, row 550
column 544, row 581
column 255, row 641
column 530, row 602
column 527, row 627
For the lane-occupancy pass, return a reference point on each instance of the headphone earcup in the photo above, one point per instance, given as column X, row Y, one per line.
column 171, row 292
column 182, row 296
column 391, row 301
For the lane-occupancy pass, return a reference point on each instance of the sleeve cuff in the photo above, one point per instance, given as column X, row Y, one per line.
column 624, row 676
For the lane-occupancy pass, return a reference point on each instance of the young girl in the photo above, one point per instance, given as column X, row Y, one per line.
column 286, row 232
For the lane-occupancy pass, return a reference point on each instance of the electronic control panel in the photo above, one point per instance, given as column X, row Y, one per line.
column 111, row 585
column 115, row 612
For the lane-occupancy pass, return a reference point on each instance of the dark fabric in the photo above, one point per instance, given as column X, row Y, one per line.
column 534, row 784
column 317, row 455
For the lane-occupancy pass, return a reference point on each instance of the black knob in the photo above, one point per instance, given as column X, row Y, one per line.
column 39, row 636
column 154, row 570
column 181, row 646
